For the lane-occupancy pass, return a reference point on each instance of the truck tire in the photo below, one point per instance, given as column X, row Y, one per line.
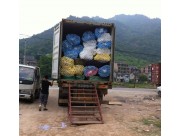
column 37, row 94
column 62, row 96
column 159, row 93
column 32, row 98
column 63, row 104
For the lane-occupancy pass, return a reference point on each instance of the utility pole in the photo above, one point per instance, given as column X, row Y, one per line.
column 25, row 54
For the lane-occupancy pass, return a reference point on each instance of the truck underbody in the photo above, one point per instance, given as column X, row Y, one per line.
column 102, row 88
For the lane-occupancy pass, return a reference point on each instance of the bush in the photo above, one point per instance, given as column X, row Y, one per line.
column 142, row 78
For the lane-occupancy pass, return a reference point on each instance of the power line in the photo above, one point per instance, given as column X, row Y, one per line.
column 36, row 37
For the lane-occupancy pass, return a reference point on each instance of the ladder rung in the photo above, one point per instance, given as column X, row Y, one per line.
column 83, row 98
column 83, row 102
column 87, row 89
column 84, row 106
column 85, row 93
column 84, row 112
column 86, row 116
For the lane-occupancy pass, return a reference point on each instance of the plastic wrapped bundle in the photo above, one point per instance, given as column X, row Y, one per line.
column 73, row 39
column 78, row 48
column 104, row 71
column 103, row 51
column 90, row 71
column 102, row 57
column 71, row 54
column 87, row 36
column 90, row 44
column 105, row 37
column 106, row 44
column 66, row 61
column 79, row 69
column 66, row 45
column 87, row 53
column 67, row 71
column 100, row 31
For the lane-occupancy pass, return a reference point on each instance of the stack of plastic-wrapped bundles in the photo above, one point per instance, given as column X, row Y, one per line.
column 71, row 48
column 96, row 46
column 103, row 50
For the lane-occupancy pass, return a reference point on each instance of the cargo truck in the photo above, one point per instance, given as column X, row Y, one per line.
column 81, row 93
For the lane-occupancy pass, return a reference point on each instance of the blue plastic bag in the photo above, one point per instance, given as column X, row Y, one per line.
column 104, row 71
column 66, row 46
column 71, row 54
column 106, row 44
column 87, row 36
column 78, row 48
column 99, row 31
column 73, row 39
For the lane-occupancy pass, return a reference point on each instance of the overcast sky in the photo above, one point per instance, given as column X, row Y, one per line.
column 39, row 15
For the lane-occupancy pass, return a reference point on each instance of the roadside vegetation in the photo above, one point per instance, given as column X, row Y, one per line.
column 155, row 122
column 134, row 85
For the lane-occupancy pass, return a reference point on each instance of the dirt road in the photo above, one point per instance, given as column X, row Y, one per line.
column 139, row 115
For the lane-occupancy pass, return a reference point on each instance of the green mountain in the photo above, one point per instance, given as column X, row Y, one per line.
column 138, row 39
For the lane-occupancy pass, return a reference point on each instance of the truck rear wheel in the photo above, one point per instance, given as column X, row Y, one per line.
column 37, row 94
column 32, row 98
column 63, row 98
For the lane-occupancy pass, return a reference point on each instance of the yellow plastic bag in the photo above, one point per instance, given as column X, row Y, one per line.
column 65, row 61
column 102, row 57
column 79, row 69
column 67, row 71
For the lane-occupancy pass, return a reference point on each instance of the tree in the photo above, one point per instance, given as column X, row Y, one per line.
column 143, row 78
column 45, row 64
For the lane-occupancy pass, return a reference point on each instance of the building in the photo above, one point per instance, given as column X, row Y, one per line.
column 147, row 71
column 123, row 68
column 122, row 74
column 30, row 60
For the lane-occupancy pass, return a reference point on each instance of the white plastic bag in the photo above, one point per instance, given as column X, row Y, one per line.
column 87, row 53
column 105, row 37
column 90, row 44
column 103, row 51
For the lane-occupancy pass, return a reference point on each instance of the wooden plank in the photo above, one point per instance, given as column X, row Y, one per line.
column 115, row 103
column 87, row 122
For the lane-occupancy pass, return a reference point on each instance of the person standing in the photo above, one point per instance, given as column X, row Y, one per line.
column 44, row 92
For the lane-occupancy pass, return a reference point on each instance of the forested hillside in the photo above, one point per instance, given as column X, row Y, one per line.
column 138, row 39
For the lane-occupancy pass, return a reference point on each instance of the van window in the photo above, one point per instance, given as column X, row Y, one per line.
column 26, row 73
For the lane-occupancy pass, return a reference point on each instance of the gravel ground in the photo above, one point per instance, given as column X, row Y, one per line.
column 139, row 115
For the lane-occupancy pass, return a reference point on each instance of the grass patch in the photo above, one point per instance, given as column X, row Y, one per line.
column 132, row 85
column 155, row 122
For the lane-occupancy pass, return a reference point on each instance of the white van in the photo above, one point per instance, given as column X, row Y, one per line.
column 29, row 82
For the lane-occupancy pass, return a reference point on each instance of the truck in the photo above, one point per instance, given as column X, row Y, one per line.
column 78, row 92
column 29, row 82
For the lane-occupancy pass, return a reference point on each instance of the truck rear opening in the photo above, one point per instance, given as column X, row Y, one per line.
column 66, row 27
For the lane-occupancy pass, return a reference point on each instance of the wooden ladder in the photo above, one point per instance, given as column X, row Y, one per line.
column 84, row 106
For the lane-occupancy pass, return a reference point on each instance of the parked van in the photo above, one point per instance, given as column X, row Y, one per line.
column 29, row 82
